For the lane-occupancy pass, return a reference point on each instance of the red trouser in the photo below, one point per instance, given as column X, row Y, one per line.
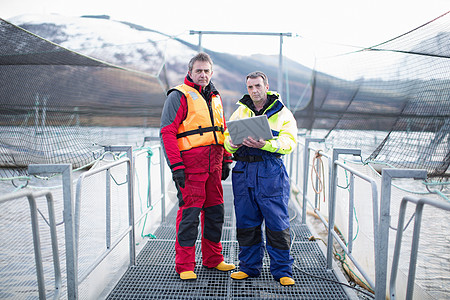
column 203, row 194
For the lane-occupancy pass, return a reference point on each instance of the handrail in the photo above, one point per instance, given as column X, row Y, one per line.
column 381, row 213
column 420, row 203
column 36, row 238
column 381, row 265
column 68, row 214
column 332, row 197
column 71, row 215
column 128, row 231
column 348, row 250
column 331, row 233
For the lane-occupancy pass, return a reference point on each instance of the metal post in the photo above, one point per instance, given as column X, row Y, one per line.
column 305, row 173
column 286, row 98
column 297, row 150
column 200, row 48
column 414, row 249
column 37, row 249
column 317, row 195
column 332, row 200
column 108, row 208
column 291, row 164
column 351, row 204
column 163, row 185
column 129, row 151
column 280, row 68
column 280, row 62
column 149, row 190
column 69, row 224
column 56, row 262
column 415, row 241
column 385, row 219
column 297, row 169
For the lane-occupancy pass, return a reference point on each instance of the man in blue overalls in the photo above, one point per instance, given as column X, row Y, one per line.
column 261, row 185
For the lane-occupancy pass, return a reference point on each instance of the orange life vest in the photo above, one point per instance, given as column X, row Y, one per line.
column 201, row 127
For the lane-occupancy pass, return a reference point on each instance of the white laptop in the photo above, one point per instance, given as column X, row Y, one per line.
column 257, row 127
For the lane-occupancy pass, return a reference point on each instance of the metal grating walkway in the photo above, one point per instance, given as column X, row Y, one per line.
column 154, row 276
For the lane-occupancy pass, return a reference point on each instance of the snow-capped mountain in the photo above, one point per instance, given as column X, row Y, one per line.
column 134, row 47
column 109, row 41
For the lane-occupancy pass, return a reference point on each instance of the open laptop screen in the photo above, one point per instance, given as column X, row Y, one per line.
column 257, row 127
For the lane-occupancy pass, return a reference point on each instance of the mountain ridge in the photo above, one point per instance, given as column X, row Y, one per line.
column 136, row 47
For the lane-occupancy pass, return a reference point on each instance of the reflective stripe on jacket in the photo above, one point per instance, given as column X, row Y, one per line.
column 204, row 124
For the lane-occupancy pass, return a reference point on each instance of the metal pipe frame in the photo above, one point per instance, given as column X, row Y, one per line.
column 387, row 175
column 332, row 199
column 420, row 203
column 331, row 233
column 348, row 250
column 306, row 156
column 129, row 151
column 69, row 223
column 36, row 238
column 280, row 58
column 128, row 231
column 163, row 184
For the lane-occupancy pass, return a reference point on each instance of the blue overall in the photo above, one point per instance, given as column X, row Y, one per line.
column 261, row 192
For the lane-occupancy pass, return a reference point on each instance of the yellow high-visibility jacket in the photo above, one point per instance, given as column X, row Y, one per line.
column 281, row 121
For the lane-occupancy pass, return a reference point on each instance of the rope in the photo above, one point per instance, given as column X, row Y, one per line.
column 427, row 184
column 148, row 205
column 321, row 177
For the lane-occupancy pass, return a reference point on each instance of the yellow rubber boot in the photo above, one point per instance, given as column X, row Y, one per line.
column 239, row 275
column 188, row 275
column 287, row 281
column 223, row 266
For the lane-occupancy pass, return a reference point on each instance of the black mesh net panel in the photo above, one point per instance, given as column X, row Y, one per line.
column 399, row 90
column 54, row 102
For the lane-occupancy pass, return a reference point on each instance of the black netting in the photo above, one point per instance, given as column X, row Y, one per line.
column 55, row 103
column 399, row 89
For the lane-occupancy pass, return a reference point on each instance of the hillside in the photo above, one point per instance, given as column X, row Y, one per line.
column 145, row 50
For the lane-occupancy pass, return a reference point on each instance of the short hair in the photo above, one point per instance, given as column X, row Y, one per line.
column 257, row 74
column 201, row 56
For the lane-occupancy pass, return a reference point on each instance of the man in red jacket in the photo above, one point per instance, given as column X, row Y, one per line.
column 192, row 127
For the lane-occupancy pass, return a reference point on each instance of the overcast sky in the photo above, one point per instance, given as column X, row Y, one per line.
column 319, row 24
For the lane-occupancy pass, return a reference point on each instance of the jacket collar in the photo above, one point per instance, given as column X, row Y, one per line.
column 271, row 98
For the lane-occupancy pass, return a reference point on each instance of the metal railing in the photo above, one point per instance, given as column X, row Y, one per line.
column 333, row 164
column 36, row 238
column 420, row 203
column 72, row 202
column 332, row 234
column 380, row 212
column 381, row 265
column 110, row 245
